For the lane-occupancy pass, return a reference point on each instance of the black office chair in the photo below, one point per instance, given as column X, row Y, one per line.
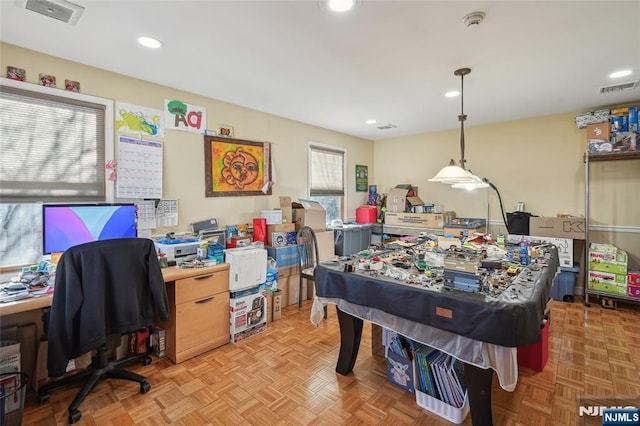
column 307, row 258
column 103, row 289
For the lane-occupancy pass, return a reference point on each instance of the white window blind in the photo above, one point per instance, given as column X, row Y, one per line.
column 327, row 172
column 53, row 147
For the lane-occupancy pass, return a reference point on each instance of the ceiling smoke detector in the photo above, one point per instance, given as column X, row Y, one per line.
column 473, row 19
column 62, row 10
column 629, row 85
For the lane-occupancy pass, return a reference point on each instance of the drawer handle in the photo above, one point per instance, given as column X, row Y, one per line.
column 208, row 299
column 203, row 277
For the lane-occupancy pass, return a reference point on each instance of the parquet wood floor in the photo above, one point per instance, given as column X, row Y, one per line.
column 286, row 376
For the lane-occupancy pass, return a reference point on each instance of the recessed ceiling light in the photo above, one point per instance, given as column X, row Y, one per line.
column 371, row 121
column 340, row 5
column 452, row 94
column 619, row 74
column 150, row 42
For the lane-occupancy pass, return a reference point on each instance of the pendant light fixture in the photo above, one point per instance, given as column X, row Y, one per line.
column 457, row 174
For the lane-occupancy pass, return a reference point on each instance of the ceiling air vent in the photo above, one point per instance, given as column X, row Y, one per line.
column 386, row 126
column 619, row 87
column 61, row 10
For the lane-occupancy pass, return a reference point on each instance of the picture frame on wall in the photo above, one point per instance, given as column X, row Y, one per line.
column 235, row 167
column 47, row 80
column 16, row 74
column 225, row 131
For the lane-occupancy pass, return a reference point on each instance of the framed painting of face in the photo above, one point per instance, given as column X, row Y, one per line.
column 235, row 167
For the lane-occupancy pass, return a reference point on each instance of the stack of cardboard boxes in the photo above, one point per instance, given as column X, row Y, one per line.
column 607, row 269
column 405, row 208
column 282, row 245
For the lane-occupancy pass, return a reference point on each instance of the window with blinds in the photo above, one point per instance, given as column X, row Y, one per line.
column 53, row 147
column 326, row 179
column 327, row 172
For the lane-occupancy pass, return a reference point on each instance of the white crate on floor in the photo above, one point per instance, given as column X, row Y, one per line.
column 442, row 409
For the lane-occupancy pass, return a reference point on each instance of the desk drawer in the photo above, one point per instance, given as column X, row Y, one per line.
column 201, row 286
column 202, row 324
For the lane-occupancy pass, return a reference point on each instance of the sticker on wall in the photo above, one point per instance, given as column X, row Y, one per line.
column 182, row 116
column 16, row 74
column 225, row 131
column 139, row 120
column 72, row 86
column 47, row 80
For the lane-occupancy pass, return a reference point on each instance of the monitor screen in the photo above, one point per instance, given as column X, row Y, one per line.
column 67, row 225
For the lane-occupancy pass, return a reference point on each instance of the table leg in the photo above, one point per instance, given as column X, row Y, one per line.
column 479, row 388
column 350, row 335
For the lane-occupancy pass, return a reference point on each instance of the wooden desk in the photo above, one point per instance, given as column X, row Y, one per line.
column 170, row 274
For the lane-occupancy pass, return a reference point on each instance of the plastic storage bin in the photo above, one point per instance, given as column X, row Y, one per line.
column 350, row 239
column 564, row 282
column 535, row 356
column 442, row 409
column 12, row 392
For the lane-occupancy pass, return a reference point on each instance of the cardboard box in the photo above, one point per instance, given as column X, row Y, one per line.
column 287, row 211
column 465, row 227
column 246, row 313
column 564, row 246
column 326, row 246
column 278, row 235
column 397, row 198
column 600, row 131
column 9, row 356
column 633, row 278
column 597, row 146
column 286, row 256
column 274, row 306
column 616, row 263
column 633, row 291
column 597, row 277
column 309, row 213
column 419, row 220
column 560, row 227
column 274, row 217
column 291, row 289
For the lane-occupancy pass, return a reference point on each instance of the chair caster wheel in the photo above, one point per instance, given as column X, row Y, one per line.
column 43, row 398
column 145, row 387
column 74, row 416
column 146, row 360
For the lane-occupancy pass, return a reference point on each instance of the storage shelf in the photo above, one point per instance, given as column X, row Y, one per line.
column 588, row 158
column 613, row 296
column 613, row 156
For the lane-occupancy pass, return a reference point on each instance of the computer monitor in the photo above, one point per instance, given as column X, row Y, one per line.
column 67, row 225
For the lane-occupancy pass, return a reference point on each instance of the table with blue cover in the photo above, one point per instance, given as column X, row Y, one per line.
column 483, row 331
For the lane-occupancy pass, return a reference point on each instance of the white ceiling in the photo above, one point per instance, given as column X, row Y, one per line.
column 387, row 60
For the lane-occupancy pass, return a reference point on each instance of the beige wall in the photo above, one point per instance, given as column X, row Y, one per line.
column 537, row 160
column 183, row 164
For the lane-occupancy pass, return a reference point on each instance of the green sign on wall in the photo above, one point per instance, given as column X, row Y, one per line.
column 362, row 178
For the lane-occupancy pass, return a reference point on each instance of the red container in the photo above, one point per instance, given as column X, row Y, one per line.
column 366, row 214
column 535, row 356
column 633, row 278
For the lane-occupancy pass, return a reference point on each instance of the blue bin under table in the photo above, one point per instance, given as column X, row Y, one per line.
column 564, row 283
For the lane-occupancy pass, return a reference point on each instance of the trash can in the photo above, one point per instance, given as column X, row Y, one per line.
column 13, row 387
column 564, row 283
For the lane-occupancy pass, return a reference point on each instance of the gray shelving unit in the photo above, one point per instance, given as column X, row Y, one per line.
column 589, row 158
